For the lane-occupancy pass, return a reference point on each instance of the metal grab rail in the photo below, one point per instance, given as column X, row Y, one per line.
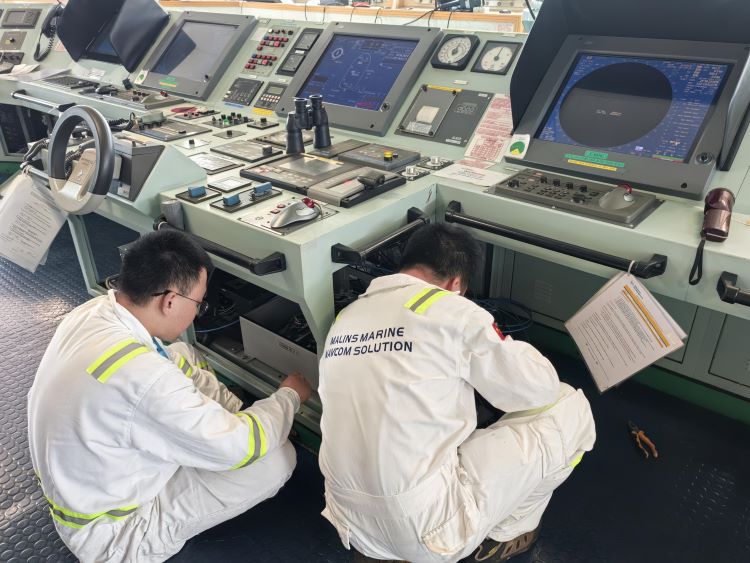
column 271, row 264
column 654, row 266
column 23, row 96
column 729, row 292
column 342, row 254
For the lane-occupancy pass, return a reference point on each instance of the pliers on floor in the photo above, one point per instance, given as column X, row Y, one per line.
column 640, row 439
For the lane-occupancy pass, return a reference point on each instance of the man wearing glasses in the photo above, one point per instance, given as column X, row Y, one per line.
column 137, row 445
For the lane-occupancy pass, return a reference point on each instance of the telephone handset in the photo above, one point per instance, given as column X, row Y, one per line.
column 49, row 30
column 717, row 216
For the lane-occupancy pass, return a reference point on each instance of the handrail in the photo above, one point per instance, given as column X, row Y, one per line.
column 654, row 266
column 342, row 254
column 23, row 96
column 271, row 264
column 729, row 292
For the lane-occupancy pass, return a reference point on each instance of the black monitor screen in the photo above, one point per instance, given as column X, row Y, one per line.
column 195, row 51
column 101, row 47
column 358, row 71
column 640, row 106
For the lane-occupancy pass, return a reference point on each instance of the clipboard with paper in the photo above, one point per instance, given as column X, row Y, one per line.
column 623, row 329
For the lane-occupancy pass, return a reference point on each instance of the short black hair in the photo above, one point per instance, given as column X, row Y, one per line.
column 161, row 260
column 445, row 249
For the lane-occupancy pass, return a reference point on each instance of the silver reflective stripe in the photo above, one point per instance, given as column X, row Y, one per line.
column 184, row 365
column 424, row 298
column 109, row 362
column 256, row 445
column 72, row 519
column 119, row 513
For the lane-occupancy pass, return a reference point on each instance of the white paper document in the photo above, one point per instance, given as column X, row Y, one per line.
column 471, row 175
column 623, row 329
column 29, row 222
column 493, row 131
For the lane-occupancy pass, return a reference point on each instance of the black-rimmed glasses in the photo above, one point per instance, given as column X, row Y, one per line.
column 202, row 306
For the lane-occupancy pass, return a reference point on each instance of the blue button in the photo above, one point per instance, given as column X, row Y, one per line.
column 197, row 191
column 231, row 200
column 263, row 188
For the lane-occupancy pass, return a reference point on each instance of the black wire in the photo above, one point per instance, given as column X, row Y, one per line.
column 306, row 10
column 450, row 15
column 528, row 5
column 351, row 14
column 377, row 14
column 430, row 18
column 420, row 17
column 324, row 14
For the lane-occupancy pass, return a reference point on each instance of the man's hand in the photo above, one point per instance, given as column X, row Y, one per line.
column 298, row 382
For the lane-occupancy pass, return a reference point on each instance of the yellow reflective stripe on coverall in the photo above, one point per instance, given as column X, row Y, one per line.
column 185, row 366
column 424, row 299
column 256, row 441
column 114, row 358
column 79, row 520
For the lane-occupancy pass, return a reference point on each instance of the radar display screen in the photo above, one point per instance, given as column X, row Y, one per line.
column 639, row 106
column 358, row 71
column 195, row 50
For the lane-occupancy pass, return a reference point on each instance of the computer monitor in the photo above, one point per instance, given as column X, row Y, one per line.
column 648, row 107
column 357, row 71
column 100, row 48
column 364, row 73
column 194, row 54
column 646, row 112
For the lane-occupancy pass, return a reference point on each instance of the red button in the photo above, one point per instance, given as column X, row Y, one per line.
column 274, row 211
column 284, row 39
column 273, row 57
column 248, row 65
column 276, row 44
column 281, row 206
column 252, row 67
column 259, row 48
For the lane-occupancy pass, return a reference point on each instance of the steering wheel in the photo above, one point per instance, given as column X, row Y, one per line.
column 93, row 172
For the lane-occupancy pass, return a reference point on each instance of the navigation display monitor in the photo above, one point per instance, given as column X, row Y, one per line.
column 358, row 71
column 194, row 50
column 639, row 106
column 194, row 54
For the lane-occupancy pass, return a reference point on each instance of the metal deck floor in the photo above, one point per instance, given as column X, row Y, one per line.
column 692, row 505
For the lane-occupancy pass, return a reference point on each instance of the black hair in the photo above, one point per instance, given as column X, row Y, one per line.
column 446, row 250
column 161, row 260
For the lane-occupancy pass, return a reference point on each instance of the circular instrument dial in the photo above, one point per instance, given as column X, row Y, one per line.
column 496, row 59
column 454, row 50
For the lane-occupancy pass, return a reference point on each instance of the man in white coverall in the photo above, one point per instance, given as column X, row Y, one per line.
column 408, row 476
column 137, row 445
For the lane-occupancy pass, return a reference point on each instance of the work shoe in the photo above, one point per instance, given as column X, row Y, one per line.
column 491, row 551
column 359, row 558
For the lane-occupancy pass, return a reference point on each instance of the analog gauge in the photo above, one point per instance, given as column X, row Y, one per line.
column 496, row 57
column 455, row 51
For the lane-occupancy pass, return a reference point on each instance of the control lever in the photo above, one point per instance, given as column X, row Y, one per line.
column 307, row 114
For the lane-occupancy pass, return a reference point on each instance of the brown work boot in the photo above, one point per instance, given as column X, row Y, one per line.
column 491, row 551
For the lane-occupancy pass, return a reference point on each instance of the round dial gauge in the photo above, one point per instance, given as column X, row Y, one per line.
column 454, row 50
column 496, row 59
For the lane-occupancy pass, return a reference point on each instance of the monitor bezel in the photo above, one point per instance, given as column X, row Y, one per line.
column 683, row 179
column 374, row 122
column 193, row 88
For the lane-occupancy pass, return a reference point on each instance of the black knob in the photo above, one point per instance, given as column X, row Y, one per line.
column 267, row 150
column 584, row 188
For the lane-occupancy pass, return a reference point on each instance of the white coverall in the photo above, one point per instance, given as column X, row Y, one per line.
column 136, row 453
column 408, row 475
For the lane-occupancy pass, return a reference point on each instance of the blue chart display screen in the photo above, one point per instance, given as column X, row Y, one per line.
column 639, row 106
column 357, row 71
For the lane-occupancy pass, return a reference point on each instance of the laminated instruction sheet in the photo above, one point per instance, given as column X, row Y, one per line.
column 623, row 329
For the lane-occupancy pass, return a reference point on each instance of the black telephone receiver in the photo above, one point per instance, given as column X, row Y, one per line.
column 49, row 30
column 717, row 216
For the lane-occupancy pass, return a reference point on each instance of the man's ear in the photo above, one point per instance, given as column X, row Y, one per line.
column 166, row 303
column 456, row 285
